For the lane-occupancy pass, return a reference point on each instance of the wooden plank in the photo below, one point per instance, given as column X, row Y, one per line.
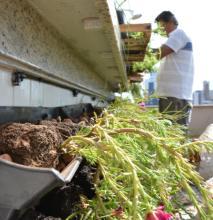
column 136, row 42
column 132, row 41
column 144, row 37
column 135, row 78
column 135, row 27
column 135, row 53
column 131, row 62
column 135, row 47
column 136, row 58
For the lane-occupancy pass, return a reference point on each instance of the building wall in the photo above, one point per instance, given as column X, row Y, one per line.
column 26, row 37
column 150, row 88
column 34, row 93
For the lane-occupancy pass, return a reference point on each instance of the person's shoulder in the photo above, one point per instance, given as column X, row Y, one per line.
column 180, row 33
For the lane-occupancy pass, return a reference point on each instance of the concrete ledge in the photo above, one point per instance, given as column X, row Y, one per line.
column 202, row 116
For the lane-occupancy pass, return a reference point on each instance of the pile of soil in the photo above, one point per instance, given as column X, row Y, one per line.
column 36, row 145
column 30, row 145
column 66, row 128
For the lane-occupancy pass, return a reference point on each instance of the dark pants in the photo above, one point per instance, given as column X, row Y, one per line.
column 181, row 108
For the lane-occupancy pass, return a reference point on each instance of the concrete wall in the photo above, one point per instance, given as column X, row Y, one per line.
column 26, row 37
column 202, row 116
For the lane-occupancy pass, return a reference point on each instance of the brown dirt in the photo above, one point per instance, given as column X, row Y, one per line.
column 38, row 146
column 30, row 145
column 35, row 145
column 66, row 128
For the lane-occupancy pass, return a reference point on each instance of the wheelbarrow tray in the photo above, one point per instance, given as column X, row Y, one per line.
column 22, row 186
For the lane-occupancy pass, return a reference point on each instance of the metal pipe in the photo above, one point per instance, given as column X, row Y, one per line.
column 13, row 63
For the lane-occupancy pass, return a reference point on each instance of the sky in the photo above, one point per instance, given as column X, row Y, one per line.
column 195, row 18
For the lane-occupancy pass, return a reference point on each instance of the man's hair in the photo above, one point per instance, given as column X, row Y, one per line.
column 166, row 16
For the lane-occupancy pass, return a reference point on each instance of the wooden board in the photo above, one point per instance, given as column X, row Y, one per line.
column 133, row 57
column 135, row 48
column 135, row 78
column 135, row 27
column 132, row 41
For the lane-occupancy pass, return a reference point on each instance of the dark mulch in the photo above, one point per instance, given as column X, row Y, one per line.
column 63, row 201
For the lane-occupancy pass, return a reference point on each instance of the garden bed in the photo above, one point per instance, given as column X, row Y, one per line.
column 135, row 163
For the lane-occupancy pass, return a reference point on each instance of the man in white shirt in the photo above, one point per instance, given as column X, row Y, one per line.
column 175, row 78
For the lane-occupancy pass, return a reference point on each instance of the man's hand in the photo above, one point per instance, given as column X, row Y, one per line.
column 164, row 51
column 161, row 52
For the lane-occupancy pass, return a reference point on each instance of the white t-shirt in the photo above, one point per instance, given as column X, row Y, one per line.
column 175, row 78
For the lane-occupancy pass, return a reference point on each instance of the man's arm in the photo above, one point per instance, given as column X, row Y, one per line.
column 164, row 51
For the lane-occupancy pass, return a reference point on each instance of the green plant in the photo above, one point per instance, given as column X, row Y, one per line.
column 136, row 35
column 150, row 60
column 141, row 163
column 136, row 89
column 149, row 63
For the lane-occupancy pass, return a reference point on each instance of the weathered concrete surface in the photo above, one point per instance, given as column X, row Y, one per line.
column 26, row 36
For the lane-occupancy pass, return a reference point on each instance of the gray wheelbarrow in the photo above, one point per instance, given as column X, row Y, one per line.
column 22, row 186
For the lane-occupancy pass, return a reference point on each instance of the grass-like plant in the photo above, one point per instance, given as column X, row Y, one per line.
column 142, row 162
